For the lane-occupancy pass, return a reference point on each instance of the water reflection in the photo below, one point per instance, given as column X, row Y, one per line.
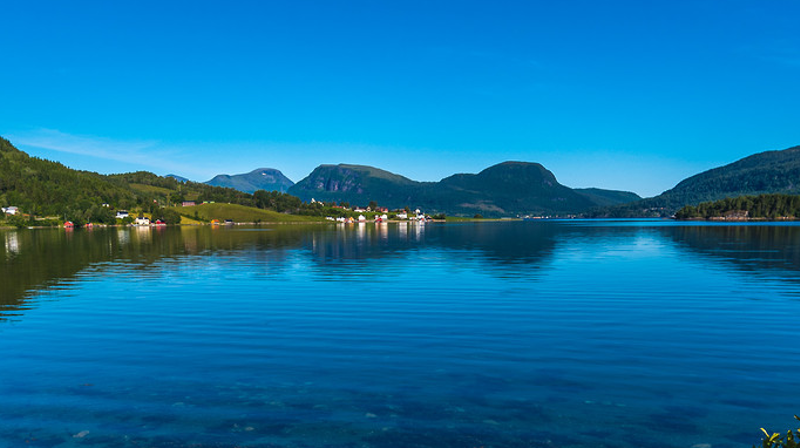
column 36, row 259
column 749, row 248
column 241, row 336
column 12, row 244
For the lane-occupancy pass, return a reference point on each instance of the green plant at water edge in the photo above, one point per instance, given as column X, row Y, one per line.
column 776, row 441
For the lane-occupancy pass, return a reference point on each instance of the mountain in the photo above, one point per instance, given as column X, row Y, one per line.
column 357, row 184
column 178, row 178
column 506, row 189
column 605, row 198
column 261, row 179
column 763, row 173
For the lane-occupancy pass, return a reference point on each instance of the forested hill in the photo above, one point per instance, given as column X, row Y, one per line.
column 44, row 188
column 763, row 173
column 765, row 206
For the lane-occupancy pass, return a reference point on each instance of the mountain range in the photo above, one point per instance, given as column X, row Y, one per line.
column 521, row 188
column 43, row 187
column 506, row 189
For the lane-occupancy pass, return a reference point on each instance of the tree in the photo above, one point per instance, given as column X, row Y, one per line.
column 177, row 198
column 169, row 216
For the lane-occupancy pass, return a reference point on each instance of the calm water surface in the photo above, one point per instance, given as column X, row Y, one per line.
column 507, row 334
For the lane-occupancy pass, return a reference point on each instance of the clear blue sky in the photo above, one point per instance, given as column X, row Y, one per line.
column 632, row 95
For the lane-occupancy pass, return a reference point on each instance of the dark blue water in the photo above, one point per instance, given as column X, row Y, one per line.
column 507, row 334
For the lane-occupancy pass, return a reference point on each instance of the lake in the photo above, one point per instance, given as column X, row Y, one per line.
column 495, row 334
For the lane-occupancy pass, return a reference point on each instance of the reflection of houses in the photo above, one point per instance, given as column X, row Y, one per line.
column 142, row 221
column 12, row 243
column 122, row 214
column 10, row 210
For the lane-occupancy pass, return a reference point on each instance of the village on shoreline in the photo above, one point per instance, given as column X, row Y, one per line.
column 139, row 218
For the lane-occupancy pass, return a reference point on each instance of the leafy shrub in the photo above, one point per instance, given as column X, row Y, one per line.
column 776, row 441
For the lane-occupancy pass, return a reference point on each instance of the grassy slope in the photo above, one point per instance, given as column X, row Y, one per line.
column 241, row 213
column 151, row 189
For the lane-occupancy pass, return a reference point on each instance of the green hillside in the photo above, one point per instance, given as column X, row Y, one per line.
column 763, row 173
column 765, row 206
column 44, row 188
column 41, row 188
column 240, row 213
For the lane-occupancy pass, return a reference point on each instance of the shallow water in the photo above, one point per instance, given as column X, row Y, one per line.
column 504, row 334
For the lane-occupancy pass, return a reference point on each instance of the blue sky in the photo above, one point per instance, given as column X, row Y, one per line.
column 632, row 95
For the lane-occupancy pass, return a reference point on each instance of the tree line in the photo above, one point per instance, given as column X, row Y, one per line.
column 43, row 188
column 765, row 206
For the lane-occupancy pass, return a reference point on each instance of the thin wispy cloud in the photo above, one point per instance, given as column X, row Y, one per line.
column 181, row 157
column 147, row 153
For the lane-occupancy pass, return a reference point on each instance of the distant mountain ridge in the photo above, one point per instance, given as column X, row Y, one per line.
column 505, row 189
column 762, row 173
column 44, row 188
column 178, row 178
column 268, row 179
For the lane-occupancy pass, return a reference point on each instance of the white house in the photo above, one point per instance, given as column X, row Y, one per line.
column 121, row 214
column 142, row 221
column 10, row 210
column 361, row 218
column 402, row 215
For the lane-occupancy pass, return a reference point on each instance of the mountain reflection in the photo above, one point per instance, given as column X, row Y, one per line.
column 749, row 248
column 34, row 260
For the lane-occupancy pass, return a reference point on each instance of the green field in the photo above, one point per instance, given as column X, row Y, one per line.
column 240, row 213
column 151, row 189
